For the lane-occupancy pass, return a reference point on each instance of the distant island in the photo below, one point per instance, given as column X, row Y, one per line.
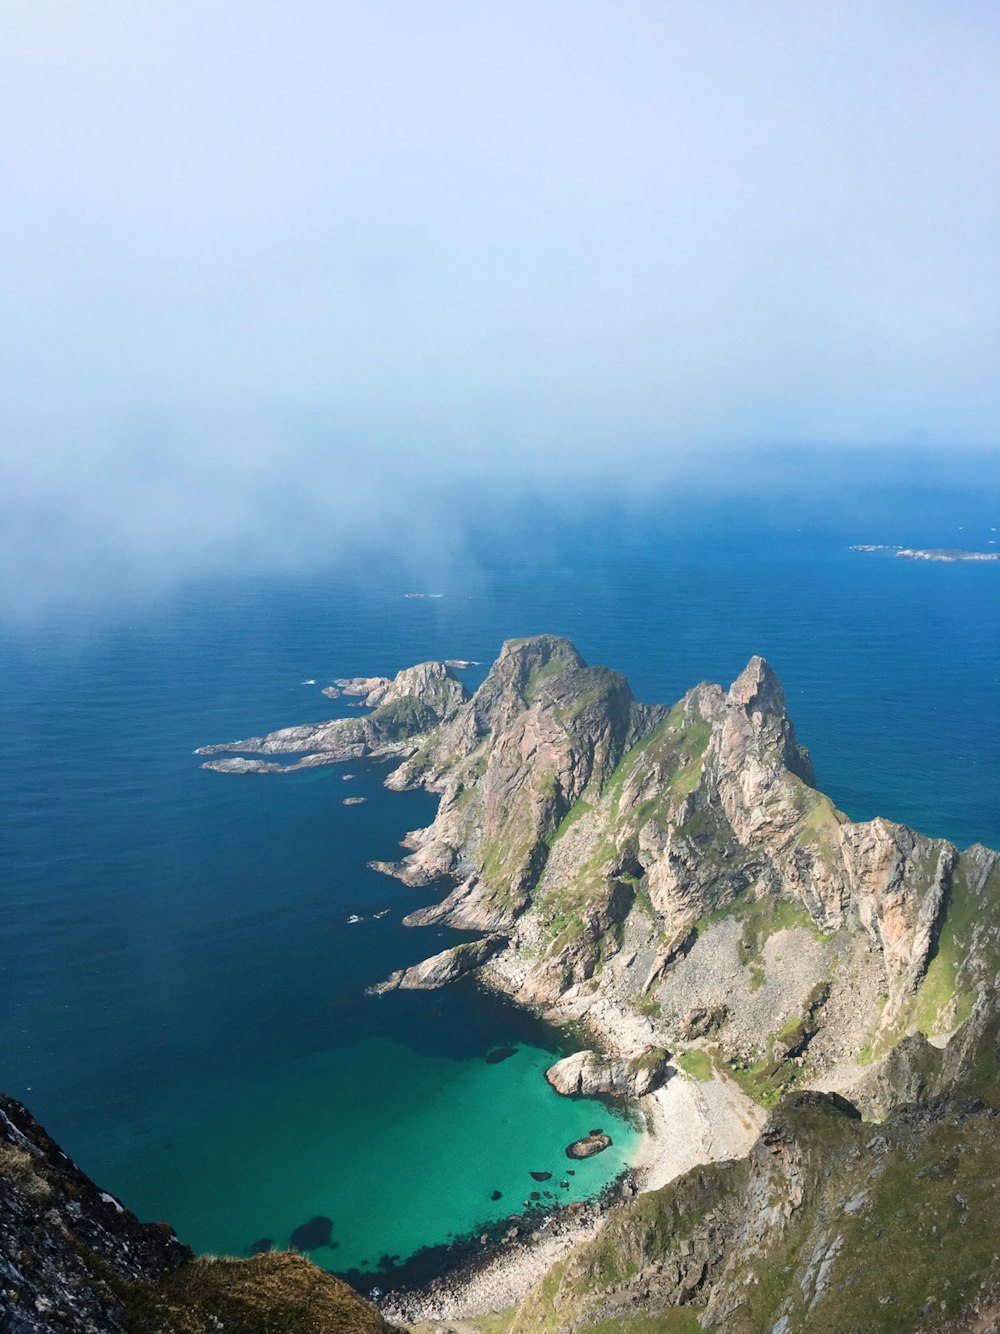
column 947, row 555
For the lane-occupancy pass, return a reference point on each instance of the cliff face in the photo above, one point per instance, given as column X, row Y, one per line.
column 74, row 1259
column 62, row 1239
column 829, row 1224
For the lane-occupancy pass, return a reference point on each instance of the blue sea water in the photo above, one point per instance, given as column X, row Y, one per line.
column 181, row 990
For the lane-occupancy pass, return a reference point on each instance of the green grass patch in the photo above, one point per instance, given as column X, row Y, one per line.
column 679, row 1320
column 695, row 1063
column 647, row 1004
column 653, row 1058
column 575, row 813
column 933, row 1010
column 497, row 1322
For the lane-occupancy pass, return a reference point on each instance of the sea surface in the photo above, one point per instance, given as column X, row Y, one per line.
column 182, row 981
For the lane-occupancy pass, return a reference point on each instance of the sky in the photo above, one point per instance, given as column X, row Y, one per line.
column 288, row 266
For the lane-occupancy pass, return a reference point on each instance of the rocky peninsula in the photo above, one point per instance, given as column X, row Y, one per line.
column 672, row 880
column 806, row 1007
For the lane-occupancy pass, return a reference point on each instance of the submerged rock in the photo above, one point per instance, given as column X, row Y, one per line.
column 312, row 1235
column 499, row 1054
column 541, row 1176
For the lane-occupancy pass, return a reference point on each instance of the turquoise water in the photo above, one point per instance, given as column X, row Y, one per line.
column 181, row 990
column 457, row 1131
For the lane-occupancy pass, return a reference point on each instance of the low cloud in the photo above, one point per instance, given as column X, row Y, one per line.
column 280, row 284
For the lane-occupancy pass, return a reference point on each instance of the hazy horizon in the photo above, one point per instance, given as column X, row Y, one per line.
column 282, row 283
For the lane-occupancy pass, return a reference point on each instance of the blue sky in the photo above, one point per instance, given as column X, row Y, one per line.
column 266, row 254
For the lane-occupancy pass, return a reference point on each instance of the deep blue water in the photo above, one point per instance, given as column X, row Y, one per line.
column 181, row 994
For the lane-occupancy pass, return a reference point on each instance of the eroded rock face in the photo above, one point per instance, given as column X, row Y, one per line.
column 448, row 966
column 588, row 1073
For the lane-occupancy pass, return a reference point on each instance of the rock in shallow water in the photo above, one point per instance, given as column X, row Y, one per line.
column 588, row 1146
column 499, row 1054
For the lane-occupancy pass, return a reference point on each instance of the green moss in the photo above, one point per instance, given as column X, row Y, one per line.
column 653, row 1058
column 576, row 812
column 680, row 1320
column 763, row 917
column 695, row 1063
column 537, row 675
column 403, row 717
column 498, row 1322
column 647, row 1004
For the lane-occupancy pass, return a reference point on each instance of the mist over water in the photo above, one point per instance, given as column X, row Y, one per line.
column 290, row 290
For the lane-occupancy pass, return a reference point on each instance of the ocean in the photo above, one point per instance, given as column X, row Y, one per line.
column 182, row 981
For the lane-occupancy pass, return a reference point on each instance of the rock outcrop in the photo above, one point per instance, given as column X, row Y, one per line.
column 408, row 705
column 63, row 1241
column 440, row 969
column 586, row 1073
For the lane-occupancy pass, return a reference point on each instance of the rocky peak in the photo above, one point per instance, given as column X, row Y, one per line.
column 757, row 721
column 758, row 692
column 434, row 684
column 521, row 666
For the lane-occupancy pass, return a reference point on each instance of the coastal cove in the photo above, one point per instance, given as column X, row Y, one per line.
column 184, row 987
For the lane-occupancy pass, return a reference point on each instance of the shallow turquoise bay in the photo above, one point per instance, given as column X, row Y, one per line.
column 399, row 1150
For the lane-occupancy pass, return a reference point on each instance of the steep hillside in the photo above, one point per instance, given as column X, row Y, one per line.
column 74, row 1259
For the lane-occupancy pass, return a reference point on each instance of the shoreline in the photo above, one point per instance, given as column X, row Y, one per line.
column 686, row 1123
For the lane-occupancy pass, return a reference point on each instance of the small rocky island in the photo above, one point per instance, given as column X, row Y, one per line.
column 947, row 555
